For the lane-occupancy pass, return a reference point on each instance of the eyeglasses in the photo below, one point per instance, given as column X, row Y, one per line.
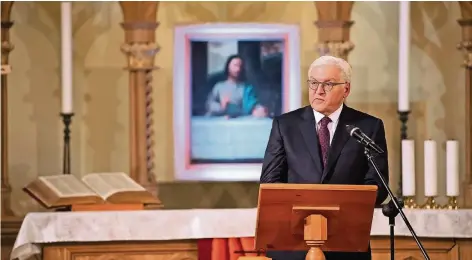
column 327, row 86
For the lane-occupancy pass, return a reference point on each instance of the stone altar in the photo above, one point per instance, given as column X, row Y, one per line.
column 42, row 232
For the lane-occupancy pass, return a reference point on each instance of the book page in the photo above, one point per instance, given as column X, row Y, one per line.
column 67, row 186
column 107, row 184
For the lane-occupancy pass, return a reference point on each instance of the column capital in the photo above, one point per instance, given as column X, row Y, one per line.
column 140, row 55
column 465, row 45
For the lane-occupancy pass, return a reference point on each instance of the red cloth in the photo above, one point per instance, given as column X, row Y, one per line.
column 225, row 248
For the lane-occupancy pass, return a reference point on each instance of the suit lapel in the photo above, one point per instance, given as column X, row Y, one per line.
column 308, row 129
column 339, row 140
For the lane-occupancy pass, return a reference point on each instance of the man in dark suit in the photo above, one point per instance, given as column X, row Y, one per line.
column 312, row 145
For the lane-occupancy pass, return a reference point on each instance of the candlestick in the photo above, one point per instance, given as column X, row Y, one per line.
column 452, row 168
column 67, row 120
column 430, row 203
column 451, row 203
column 430, row 169
column 403, row 116
column 66, row 56
column 410, row 202
column 404, row 57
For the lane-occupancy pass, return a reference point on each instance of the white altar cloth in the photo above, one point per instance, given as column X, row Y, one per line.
column 155, row 225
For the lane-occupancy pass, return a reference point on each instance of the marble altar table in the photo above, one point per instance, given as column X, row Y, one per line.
column 174, row 234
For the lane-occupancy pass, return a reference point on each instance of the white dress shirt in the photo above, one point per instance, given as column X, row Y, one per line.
column 332, row 125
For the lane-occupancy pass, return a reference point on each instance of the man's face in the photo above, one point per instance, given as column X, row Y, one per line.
column 234, row 67
column 326, row 102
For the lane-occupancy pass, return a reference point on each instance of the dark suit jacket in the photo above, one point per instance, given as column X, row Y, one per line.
column 293, row 156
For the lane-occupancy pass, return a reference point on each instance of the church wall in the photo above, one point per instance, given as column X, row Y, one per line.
column 100, row 124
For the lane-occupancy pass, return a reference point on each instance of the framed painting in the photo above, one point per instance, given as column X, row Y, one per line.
column 230, row 81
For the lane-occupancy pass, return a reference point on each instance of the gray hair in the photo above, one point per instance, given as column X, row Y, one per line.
column 343, row 65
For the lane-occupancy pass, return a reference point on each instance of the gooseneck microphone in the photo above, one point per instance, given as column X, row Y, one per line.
column 363, row 139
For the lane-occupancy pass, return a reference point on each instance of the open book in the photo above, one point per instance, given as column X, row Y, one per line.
column 95, row 188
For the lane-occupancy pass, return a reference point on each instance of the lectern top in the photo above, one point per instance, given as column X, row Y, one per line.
column 331, row 187
column 282, row 209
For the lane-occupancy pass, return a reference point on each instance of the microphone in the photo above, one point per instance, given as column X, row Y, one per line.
column 363, row 139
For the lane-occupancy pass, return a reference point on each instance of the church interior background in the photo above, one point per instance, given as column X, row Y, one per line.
column 123, row 77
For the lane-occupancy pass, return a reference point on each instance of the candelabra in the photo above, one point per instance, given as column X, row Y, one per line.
column 403, row 116
column 452, row 203
column 430, row 203
column 409, row 202
column 67, row 120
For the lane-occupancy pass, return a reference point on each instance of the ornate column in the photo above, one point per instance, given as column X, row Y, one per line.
column 10, row 224
column 140, row 48
column 334, row 24
column 7, row 47
column 466, row 47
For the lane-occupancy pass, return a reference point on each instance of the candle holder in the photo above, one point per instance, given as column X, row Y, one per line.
column 430, row 203
column 67, row 120
column 403, row 116
column 410, row 202
column 452, row 203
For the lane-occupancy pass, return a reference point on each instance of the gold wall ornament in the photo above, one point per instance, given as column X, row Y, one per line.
column 140, row 55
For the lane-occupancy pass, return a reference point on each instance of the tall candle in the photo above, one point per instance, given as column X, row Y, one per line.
column 404, row 57
column 452, row 168
column 430, row 169
column 66, row 55
column 408, row 168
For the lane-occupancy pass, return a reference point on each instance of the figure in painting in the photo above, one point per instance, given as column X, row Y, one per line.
column 234, row 97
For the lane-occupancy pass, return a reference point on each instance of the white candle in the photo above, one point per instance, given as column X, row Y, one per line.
column 452, row 168
column 66, row 55
column 404, row 57
column 408, row 168
column 430, row 169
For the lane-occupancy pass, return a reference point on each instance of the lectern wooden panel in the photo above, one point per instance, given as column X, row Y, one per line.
column 321, row 216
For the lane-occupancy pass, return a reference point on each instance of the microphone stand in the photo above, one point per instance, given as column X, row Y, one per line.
column 392, row 209
column 391, row 212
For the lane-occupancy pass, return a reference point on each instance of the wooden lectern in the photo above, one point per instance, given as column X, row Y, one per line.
column 314, row 217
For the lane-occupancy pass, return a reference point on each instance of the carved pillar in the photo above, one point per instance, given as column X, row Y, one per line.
column 334, row 24
column 140, row 48
column 466, row 47
column 7, row 47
